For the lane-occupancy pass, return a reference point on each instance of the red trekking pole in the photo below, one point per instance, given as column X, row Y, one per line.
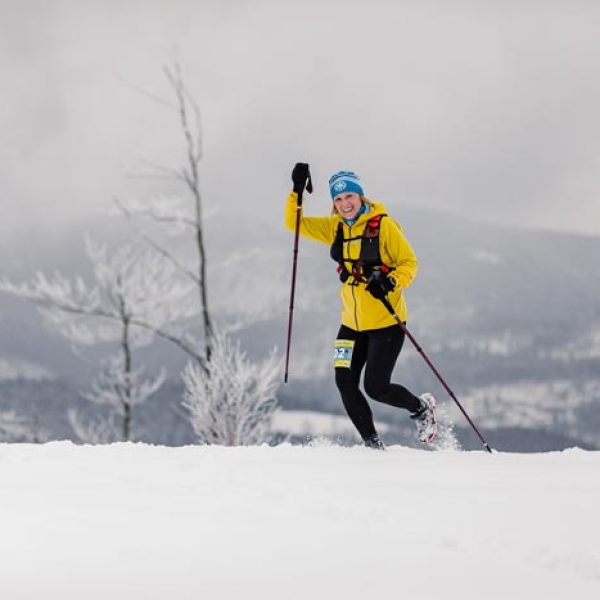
column 390, row 308
column 306, row 183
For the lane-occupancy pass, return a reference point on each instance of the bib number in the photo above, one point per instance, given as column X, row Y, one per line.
column 342, row 353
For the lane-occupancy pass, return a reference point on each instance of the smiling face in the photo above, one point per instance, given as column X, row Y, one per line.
column 347, row 204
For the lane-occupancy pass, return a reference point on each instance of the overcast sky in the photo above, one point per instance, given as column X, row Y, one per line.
column 485, row 109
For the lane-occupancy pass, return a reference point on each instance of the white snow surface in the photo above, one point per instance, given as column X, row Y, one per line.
column 133, row 521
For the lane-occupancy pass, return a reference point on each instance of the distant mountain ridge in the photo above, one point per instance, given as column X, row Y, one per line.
column 511, row 317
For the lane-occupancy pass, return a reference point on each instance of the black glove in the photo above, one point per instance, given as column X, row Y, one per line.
column 379, row 284
column 301, row 178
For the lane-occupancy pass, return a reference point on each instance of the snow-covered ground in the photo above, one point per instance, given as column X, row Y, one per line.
column 132, row 521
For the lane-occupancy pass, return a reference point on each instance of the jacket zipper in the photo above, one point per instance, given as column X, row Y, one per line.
column 353, row 286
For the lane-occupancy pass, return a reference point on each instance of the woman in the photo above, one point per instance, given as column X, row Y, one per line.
column 375, row 261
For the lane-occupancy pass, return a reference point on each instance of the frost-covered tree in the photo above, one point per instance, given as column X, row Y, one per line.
column 19, row 428
column 13, row 427
column 180, row 314
column 102, row 429
column 117, row 385
column 131, row 299
column 229, row 398
column 235, row 404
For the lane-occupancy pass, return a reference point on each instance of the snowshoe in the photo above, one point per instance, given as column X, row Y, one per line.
column 426, row 419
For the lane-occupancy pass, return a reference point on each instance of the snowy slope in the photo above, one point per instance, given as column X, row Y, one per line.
column 148, row 522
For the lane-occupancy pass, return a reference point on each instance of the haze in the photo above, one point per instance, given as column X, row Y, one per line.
column 484, row 109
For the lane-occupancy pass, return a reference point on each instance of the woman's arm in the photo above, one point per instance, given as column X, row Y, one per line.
column 319, row 229
column 396, row 252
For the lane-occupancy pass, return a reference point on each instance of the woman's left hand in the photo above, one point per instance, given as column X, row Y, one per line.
column 379, row 284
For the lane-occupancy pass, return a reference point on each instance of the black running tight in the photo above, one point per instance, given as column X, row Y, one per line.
column 376, row 351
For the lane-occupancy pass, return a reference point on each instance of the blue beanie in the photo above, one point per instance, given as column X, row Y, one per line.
column 344, row 182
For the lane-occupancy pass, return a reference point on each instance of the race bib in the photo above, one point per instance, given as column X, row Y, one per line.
column 342, row 353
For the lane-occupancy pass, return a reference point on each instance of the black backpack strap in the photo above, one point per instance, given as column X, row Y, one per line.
column 337, row 253
column 370, row 257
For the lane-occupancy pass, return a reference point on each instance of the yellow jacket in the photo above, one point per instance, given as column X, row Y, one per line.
column 360, row 310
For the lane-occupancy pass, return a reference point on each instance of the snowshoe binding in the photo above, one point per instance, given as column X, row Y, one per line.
column 426, row 419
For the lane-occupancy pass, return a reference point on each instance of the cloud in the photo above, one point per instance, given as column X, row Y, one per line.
column 478, row 108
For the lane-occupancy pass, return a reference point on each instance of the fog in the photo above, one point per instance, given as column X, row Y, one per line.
column 484, row 109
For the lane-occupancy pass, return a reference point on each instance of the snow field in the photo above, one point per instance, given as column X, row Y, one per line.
column 136, row 521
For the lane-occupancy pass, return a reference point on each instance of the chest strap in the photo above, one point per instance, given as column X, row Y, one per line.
column 369, row 258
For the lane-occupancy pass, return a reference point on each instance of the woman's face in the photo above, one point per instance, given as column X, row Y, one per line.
column 347, row 204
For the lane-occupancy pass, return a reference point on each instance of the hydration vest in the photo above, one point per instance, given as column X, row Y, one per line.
column 369, row 259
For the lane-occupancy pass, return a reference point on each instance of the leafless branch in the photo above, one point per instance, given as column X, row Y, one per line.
column 151, row 215
column 163, row 252
column 149, row 177
column 173, row 173
column 174, row 338
column 147, row 94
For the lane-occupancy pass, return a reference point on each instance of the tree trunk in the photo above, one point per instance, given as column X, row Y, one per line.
column 125, row 392
column 202, row 268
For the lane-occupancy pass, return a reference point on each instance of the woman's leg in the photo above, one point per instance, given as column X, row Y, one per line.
column 384, row 346
column 350, row 356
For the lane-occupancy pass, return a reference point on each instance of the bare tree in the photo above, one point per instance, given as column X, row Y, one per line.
column 235, row 405
column 230, row 399
column 187, row 217
column 131, row 300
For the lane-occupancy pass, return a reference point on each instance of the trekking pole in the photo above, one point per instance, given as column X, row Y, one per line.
column 391, row 310
column 309, row 189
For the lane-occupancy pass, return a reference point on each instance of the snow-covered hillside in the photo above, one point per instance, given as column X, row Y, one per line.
column 149, row 522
